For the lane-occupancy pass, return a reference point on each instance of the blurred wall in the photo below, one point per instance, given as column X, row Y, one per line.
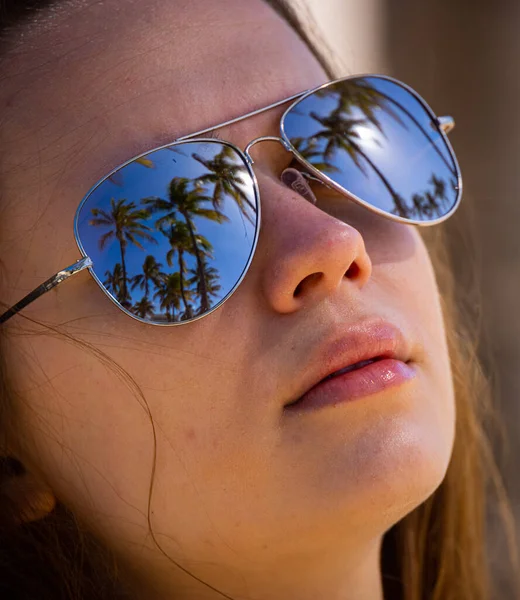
column 355, row 28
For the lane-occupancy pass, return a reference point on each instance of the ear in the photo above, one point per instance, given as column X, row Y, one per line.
column 31, row 498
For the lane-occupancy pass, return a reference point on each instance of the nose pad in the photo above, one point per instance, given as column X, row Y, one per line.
column 295, row 180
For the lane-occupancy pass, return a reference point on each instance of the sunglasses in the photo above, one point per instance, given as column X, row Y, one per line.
column 170, row 234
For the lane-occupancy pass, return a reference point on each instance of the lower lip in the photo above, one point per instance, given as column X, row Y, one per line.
column 376, row 377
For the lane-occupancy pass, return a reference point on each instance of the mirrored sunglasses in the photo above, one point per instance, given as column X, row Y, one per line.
column 170, row 234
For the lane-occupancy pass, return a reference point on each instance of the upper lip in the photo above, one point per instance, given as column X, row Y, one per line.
column 364, row 340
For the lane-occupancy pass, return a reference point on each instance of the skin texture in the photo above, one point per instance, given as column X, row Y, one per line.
column 256, row 501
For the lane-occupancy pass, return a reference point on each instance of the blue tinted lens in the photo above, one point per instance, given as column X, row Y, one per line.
column 375, row 139
column 172, row 232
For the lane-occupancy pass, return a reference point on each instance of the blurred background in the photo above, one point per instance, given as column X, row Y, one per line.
column 462, row 57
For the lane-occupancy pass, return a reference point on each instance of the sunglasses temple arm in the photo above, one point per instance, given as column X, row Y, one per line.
column 53, row 281
column 447, row 124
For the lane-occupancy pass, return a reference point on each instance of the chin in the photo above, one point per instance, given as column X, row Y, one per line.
column 400, row 464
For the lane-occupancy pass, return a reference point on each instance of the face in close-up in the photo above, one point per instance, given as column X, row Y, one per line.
column 242, row 485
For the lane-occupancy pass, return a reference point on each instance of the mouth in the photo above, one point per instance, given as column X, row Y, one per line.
column 354, row 367
column 366, row 357
column 359, row 380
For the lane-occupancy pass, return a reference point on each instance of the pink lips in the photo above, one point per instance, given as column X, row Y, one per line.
column 359, row 383
column 371, row 357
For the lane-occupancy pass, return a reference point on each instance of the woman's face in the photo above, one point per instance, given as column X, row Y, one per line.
column 242, row 484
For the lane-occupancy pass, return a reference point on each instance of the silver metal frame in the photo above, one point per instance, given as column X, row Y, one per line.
column 79, row 265
column 253, row 248
column 445, row 125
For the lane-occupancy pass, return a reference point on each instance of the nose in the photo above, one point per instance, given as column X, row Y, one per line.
column 308, row 255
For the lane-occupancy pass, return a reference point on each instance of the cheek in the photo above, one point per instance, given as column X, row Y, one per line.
column 86, row 420
column 89, row 426
column 84, row 424
column 420, row 443
column 426, row 302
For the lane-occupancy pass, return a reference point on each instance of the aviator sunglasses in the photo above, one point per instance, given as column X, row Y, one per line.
column 170, row 234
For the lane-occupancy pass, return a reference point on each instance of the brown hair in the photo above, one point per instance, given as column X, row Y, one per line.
column 437, row 552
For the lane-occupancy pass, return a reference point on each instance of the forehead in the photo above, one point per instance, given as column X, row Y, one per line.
column 122, row 77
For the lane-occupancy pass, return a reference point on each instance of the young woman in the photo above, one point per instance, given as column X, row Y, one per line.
column 258, row 391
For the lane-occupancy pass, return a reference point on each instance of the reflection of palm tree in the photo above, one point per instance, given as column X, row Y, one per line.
column 117, row 177
column 357, row 94
column 308, row 147
column 211, row 282
column 427, row 204
column 113, row 282
column 169, row 295
column 224, row 173
column 181, row 242
column 144, row 308
column 418, row 203
column 125, row 223
column 439, row 187
column 425, row 133
column 341, row 133
column 362, row 94
column 378, row 94
column 151, row 272
column 188, row 202
column 431, row 204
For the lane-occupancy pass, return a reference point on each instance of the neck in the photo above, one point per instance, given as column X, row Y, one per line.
column 332, row 574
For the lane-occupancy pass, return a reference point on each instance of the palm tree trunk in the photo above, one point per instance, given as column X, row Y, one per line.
column 204, row 300
column 217, row 195
column 424, row 132
column 247, row 201
column 402, row 210
column 124, row 289
column 187, row 306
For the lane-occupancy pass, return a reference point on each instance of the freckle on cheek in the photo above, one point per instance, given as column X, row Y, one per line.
column 190, row 434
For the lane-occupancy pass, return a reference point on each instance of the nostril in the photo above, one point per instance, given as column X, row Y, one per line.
column 311, row 280
column 353, row 271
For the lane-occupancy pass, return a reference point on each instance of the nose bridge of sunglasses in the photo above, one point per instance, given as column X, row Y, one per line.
column 266, row 138
column 298, row 182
